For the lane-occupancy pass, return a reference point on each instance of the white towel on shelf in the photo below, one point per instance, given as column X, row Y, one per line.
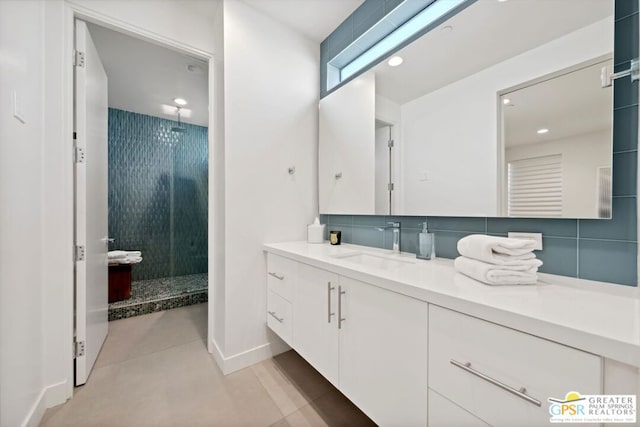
column 497, row 250
column 492, row 274
column 113, row 255
column 128, row 260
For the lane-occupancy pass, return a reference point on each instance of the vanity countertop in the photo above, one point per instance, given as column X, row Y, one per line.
column 600, row 318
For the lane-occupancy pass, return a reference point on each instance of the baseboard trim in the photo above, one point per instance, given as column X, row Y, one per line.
column 247, row 358
column 35, row 414
column 49, row 396
column 56, row 394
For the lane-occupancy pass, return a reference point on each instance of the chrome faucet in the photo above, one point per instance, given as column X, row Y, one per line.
column 395, row 226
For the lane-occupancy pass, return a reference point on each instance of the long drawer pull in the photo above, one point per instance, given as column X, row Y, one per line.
column 273, row 314
column 276, row 276
column 520, row 393
column 340, row 318
column 329, row 312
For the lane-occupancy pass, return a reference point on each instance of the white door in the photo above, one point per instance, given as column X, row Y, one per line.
column 383, row 354
column 91, row 204
column 315, row 325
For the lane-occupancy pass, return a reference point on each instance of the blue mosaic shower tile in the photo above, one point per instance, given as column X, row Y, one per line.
column 158, row 193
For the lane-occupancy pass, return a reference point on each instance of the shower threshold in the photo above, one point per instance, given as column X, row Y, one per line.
column 148, row 296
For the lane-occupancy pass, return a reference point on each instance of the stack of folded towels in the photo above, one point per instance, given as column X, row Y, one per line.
column 125, row 257
column 498, row 260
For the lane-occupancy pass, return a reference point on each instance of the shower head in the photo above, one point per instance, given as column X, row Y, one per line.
column 179, row 128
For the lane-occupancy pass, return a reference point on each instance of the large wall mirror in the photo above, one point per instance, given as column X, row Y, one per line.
column 499, row 111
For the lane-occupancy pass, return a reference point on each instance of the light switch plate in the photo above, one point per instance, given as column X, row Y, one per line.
column 536, row 237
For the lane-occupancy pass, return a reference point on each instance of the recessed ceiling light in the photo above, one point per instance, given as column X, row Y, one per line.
column 180, row 101
column 506, row 101
column 395, row 61
column 501, row 1
column 543, row 131
column 447, row 29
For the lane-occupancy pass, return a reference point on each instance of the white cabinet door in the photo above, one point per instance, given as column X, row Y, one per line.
column 346, row 155
column 383, row 354
column 315, row 331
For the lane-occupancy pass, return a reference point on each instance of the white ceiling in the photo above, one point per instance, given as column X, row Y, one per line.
column 144, row 77
column 314, row 18
column 569, row 105
column 485, row 33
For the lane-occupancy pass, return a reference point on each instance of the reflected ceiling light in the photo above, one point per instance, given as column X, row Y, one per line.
column 542, row 131
column 501, row 1
column 447, row 29
column 506, row 101
column 395, row 61
column 180, row 101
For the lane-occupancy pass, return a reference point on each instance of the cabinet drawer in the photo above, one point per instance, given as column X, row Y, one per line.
column 281, row 273
column 475, row 363
column 279, row 316
column 444, row 413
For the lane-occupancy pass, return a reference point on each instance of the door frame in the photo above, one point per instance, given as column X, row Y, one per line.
column 71, row 13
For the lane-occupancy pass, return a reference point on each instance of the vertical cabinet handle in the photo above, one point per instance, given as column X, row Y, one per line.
column 276, row 276
column 340, row 318
column 273, row 314
column 329, row 313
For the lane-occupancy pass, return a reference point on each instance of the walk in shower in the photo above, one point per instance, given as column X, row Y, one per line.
column 158, row 205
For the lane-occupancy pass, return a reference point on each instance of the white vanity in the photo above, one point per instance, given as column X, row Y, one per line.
column 412, row 343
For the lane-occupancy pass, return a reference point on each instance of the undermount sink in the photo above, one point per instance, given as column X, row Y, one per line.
column 376, row 260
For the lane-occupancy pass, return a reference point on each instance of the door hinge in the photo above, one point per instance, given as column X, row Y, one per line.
column 79, row 155
column 391, row 143
column 78, row 348
column 78, row 59
column 390, row 186
column 80, row 252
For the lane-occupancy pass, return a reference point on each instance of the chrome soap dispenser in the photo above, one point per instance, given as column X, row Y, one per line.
column 426, row 244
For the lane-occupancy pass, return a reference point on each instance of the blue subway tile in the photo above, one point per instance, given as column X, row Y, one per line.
column 559, row 256
column 409, row 241
column 369, row 220
column 626, row 39
column 341, row 220
column 548, row 227
column 340, row 38
column 625, row 173
column 389, row 5
column 447, row 243
column 456, row 224
column 625, row 129
column 367, row 15
column 414, row 222
column 367, row 236
column 608, row 261
column 324, row 219
column 623, row 225
column 624, row 8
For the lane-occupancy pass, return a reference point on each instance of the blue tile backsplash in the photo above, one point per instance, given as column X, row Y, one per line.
column 604, row 250
column 158, row 193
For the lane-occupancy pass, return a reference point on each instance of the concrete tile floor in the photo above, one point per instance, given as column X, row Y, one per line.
column 154, row 370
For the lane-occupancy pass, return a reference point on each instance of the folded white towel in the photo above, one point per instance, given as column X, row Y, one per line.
column 498, row 274
column 126, row 260
column 496, row 250
column 123, row 254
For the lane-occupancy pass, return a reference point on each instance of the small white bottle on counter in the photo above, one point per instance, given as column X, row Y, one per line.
column 315, row 232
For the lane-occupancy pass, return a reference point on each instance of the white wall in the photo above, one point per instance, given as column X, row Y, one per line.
column 582, row 155
column 450, row 135
column 271, row 76
column 21, row 198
